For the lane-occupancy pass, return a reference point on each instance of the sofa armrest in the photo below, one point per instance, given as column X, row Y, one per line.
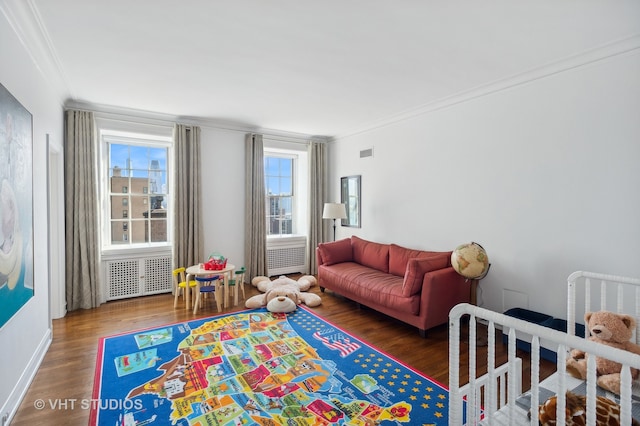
column 334, row 252
column 319, row 259
column 442, row 290
column 416, row 270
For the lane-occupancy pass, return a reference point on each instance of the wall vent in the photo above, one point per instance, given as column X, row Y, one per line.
column 366, row 153
column 287, row 258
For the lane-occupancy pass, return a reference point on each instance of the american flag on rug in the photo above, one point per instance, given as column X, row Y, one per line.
column 335, row 340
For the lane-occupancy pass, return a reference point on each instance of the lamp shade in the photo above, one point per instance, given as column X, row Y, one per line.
column 334, row 211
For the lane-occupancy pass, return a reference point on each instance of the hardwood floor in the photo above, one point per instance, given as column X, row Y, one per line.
column 67, row 371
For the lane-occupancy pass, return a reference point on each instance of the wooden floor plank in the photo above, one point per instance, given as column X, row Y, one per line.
column 67, row 371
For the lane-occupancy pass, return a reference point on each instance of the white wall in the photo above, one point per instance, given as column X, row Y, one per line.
column 25, row 338
column 222, row 164
column 545, row 175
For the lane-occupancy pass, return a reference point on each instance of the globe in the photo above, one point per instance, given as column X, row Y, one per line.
column 470, row 260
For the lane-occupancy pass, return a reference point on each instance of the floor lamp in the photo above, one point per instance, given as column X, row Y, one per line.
column 334, row 211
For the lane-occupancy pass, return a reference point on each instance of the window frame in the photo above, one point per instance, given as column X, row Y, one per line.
column 273, row 153
column 108, row 245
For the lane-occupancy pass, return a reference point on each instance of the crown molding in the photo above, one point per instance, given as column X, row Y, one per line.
column 624, row 46
column 160, row 119
column 24, row 19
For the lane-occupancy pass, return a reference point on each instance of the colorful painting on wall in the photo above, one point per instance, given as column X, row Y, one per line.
column 16, row 206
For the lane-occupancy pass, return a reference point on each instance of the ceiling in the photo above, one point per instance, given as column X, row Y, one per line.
column 313, row 67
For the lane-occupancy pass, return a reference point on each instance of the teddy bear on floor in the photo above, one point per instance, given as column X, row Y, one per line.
column 283, row 294
column 610, row 329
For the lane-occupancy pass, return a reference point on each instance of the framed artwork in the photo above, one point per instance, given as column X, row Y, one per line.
column 350, row 197
column 16, row 206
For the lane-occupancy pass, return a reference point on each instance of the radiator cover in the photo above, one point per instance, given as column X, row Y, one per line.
column 287, row 256
column 141, row 276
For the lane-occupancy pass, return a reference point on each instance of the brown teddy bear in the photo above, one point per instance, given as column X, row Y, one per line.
column 610, row 329
column 283, row 294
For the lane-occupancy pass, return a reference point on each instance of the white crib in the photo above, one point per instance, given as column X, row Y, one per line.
column 496, row 397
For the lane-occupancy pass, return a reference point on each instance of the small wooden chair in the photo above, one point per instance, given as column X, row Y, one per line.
column 180, row 284
column 207, row 285
column 237, row 282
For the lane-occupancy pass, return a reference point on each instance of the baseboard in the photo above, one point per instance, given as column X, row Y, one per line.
column 20, row 389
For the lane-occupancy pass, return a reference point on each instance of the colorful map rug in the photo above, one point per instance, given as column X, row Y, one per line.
column 257, row 368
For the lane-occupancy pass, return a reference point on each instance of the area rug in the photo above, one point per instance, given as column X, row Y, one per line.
column 257, row 368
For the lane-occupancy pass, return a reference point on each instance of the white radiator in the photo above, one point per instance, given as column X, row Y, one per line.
column 287, row 256
column 142, row 276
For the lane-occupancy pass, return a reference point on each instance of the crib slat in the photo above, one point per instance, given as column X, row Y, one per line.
column 587, row 297
column 625, row 396
column 620, row 294
column 455, row 399
column 473, row 402
column 491, row 394
column 571, row 308
column 591, row 391
column 637, row 315
column 511, row 378
column 535, row 377
column 561, row 364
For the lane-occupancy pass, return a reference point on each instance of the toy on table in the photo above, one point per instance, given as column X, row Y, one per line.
column 216, row 262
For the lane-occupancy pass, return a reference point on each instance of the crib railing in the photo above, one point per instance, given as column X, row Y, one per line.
column 485, row 405
column 601, row 292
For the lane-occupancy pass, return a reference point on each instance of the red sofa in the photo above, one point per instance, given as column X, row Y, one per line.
column 414, row 286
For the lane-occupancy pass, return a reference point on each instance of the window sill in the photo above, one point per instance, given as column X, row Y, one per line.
column 275, row 240
column 117, row 252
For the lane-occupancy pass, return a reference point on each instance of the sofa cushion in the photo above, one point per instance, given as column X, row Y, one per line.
column 371, row 254
column 368, row 286
column 399, row 257
column 336, row 252
column 417, row 267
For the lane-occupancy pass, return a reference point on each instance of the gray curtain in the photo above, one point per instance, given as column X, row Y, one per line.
column 81, row 211
column 255, row 244
column 188, row 243
column 317, row 196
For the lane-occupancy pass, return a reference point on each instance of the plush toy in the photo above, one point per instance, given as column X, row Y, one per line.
column 610, row 329
column 283, row 287
column 607, row 411
column 282, row 304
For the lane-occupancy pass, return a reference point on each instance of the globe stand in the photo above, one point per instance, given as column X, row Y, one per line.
column 481, row 338
column 468, row 268
column 475, row 282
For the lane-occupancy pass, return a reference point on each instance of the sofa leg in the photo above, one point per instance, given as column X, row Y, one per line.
column 423, row 333
column 322, row 289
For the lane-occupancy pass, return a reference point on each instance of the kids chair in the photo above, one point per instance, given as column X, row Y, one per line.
column 180, row 284
column 237, row 281
column 207, row 285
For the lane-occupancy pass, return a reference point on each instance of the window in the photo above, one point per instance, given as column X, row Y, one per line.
column 286, row 173
column 279, row 185
column 135, row 168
